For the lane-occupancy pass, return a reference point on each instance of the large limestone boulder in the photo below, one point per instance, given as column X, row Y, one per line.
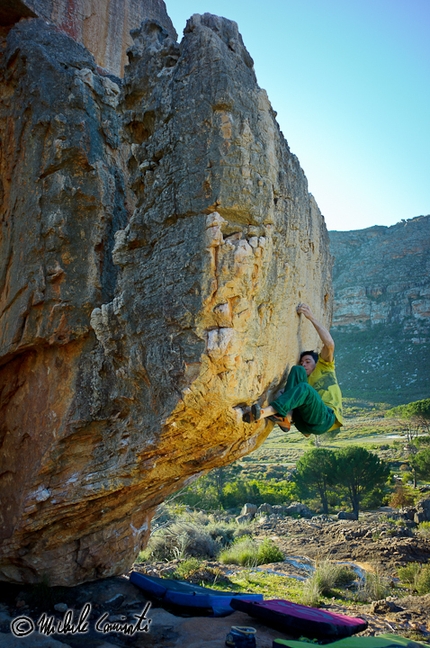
column 155, row 241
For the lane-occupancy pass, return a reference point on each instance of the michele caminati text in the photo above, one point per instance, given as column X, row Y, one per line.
column 24, row 626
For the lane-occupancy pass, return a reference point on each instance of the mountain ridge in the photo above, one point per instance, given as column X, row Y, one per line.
column 381, row 283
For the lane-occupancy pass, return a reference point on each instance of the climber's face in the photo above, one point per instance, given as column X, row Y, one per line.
column 308, row 363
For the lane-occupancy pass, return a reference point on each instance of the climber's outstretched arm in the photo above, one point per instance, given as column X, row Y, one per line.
column 327, row 352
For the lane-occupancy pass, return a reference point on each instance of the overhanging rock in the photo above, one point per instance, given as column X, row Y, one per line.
column 154, row 247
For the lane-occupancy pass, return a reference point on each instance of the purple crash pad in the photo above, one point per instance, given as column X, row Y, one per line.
column 294, row 618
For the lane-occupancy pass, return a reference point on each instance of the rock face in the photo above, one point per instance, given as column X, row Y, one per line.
column 381, row 318
column 155, row 241
column 103, row 26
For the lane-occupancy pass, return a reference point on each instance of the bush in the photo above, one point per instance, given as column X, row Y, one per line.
column 408, row 574
column 268, row 552
column 374, row 588
column 417, row 576
column 205, row 494
column 179, row 540
column 407, row 477
column 248, row 553
column 402, row 496
column 193, row 534
column 423, row 581
column 200, row 573
column 243, row 552
column 374, row 499
column 223, row 534
column 269, row 491
column 424, row 529
column 311, row 594
column 326, row 577
column 422, row 441
column 200, row 494
column 187, row 568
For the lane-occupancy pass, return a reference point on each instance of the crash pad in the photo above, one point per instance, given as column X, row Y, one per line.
column 293, row 618
column 188, row 597
column 382, row 641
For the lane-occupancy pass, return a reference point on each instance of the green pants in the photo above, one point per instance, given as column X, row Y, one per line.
column 310, row 414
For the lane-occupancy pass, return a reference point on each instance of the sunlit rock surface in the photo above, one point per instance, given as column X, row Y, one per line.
column 155, row 241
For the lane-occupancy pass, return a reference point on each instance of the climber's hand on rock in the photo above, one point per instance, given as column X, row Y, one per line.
column 303, row 309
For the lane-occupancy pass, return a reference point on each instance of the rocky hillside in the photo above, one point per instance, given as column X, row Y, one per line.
column 381, row 319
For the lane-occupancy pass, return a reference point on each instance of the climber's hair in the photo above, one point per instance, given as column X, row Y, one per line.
column 314, row 355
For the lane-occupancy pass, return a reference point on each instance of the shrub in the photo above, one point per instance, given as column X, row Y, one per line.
column 223, row 534
column 374, row 588
column 417, row 576
column 200, row 494
column 402, row 496
column 270, row 491
column 311, row 594
column 193, row 534
column 424, row 529
column 408, row 574
column 222, row 489
column 374, row 499
column 346, row 576
column 244, row 530
column 399, row 523
column 187, row 568
column 243, row 552
column 199, row 572
column 268, row 552
column 407, row 477
column 248, row 553
column 423, row 581
column 179, row 540
column 422, row 441
column 326, row 577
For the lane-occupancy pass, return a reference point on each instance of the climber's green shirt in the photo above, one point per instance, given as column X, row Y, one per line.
column 323, row 380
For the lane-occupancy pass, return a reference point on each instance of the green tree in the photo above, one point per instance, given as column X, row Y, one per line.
column 359, row 472
column 199, row 494
column 238, row 492
column 315, row 473
column 417, row 414
column 256, row 491
column 219, row 478
column 207, row 492
column 277, row 491
column 422, row 441
column 421, row 464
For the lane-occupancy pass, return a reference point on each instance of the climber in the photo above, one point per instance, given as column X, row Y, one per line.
column 312, row 397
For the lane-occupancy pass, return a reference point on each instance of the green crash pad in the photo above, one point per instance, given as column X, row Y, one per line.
column 381, row 641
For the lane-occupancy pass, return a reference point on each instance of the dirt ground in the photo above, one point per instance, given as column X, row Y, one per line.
column 371, row 540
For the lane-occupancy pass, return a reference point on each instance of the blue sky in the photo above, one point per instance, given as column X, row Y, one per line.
column 350, row 81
